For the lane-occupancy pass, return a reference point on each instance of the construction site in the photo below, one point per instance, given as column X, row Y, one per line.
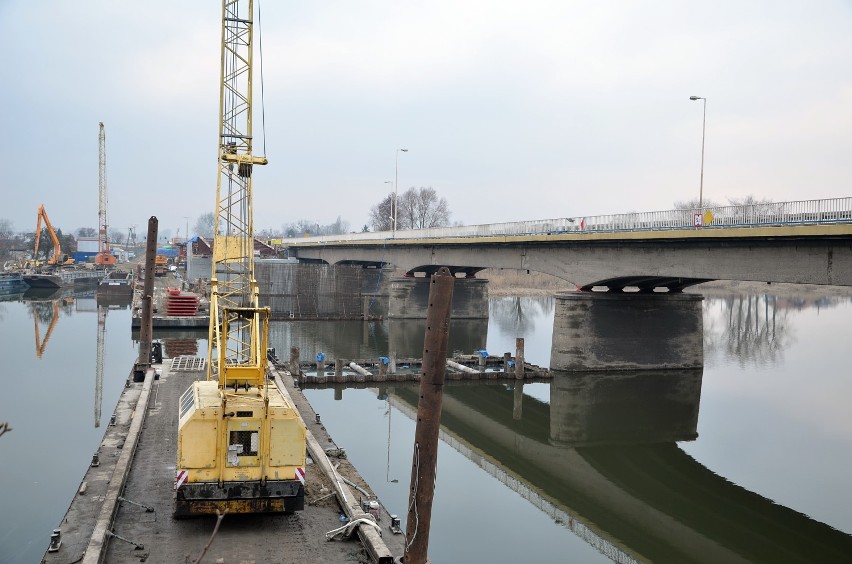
column 242, row 440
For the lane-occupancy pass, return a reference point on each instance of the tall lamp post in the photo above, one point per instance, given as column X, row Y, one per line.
column 186, row 249
column 390, row 215
column 703, row 124
column 396, row 189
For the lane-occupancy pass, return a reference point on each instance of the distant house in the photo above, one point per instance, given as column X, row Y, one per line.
column 263, row 249
column 201, row 247
column 87, row 248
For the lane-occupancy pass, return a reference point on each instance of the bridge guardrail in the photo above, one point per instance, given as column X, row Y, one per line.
column 803, row 212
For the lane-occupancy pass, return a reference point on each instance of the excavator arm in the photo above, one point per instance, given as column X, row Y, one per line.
column 57, row 249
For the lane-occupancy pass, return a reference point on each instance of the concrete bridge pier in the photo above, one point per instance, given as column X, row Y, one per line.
column 408, row 298
column 627, row 331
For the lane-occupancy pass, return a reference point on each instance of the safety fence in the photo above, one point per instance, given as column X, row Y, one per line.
column 761, row 214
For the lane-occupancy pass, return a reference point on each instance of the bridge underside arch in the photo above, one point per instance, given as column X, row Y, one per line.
column 364, row 263
column 312, row 261
column 430, row 269
column 643, row 284
column 422, row 270
column 361, row 263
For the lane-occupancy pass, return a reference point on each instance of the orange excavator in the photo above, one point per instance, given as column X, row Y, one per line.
column 57, row 249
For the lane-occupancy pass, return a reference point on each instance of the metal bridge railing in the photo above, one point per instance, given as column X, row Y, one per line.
column 803, row 212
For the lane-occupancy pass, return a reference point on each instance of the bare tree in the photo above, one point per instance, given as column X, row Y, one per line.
column 749, row 200
column 340, row 226
column 758, row 205
column 426, row 209
column 419, row 208
column 692, row 204
column 87, row 232
column 6, row 229
column 116, row 236
column 305, row 227
column 381, row 215
column 205, row 225
column 7, row 238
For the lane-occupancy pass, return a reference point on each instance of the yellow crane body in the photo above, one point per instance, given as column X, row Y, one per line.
column 242, row 451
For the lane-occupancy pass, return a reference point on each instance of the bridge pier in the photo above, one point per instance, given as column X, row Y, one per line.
column 604, row 331
column 408, row 298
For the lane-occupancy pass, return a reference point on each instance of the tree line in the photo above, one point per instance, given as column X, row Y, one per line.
column 15, row 243
column 418, row 208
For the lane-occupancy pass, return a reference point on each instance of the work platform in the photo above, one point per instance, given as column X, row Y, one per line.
column 122, row 511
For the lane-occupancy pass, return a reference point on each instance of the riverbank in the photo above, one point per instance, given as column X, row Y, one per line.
column 502, row 283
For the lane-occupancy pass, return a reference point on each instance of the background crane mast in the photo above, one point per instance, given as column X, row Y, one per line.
column 103, row 256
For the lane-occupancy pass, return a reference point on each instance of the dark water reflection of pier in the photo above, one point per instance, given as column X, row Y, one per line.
column 600, row 454
column 602, row 457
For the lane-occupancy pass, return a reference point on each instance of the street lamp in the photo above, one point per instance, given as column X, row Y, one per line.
column 703, row 124
column 396, row 188
column 390, row 217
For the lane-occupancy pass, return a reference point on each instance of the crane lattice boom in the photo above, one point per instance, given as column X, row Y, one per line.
column 241, row 443
column 237, row 323
column 104, row 256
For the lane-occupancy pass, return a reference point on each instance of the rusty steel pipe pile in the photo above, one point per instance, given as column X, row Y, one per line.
column 425, row 458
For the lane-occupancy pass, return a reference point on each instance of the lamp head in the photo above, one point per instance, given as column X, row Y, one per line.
column 696, row 98
column 404, row 150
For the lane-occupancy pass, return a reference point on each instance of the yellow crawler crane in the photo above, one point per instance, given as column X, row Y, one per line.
column 241, row 444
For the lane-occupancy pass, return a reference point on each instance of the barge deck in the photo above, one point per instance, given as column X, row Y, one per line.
column 122, row 511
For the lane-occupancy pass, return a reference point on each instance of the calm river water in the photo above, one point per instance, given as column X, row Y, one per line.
column 578, row 469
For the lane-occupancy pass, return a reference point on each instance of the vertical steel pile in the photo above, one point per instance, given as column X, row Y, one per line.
column 146, row 329
column 425, row 459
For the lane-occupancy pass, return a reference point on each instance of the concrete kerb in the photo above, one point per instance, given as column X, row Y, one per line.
column 96, row 550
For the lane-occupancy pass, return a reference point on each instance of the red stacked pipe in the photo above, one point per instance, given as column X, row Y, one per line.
column 181, row 304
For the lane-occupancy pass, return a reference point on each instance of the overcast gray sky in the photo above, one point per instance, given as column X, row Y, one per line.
column 510, row 110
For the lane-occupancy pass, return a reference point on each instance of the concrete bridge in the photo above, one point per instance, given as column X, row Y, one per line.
column 630, row 313
column 805, row 242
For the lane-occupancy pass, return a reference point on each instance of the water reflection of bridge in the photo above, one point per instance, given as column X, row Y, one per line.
column 602, row 459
